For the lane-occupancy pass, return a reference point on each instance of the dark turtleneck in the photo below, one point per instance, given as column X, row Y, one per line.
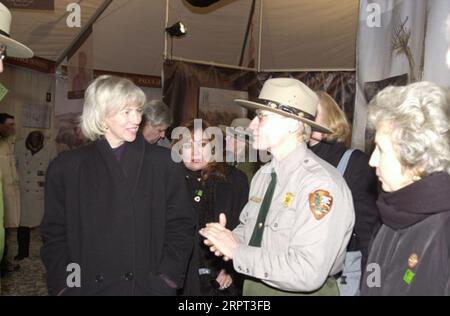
column 118, row 151
column 415, row 202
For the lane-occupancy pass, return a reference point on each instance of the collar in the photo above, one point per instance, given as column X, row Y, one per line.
column 129, row 167
column 286, row 166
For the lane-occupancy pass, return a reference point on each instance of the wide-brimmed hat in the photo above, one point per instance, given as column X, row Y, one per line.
column 288, row 97
column 14, row 48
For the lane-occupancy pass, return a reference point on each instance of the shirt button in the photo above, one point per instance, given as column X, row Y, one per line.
column 275, row 225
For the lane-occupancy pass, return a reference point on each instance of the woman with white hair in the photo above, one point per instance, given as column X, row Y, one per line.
column 116, row 210
column 411, row 253
column 295, row 228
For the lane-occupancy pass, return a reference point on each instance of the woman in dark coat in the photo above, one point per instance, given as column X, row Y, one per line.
column 215, row 187
column 410, row 255
column 116, row 220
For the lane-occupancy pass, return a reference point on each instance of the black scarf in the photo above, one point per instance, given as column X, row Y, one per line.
column 415, row 202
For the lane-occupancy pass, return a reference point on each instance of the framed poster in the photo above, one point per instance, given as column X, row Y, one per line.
column 217, row 106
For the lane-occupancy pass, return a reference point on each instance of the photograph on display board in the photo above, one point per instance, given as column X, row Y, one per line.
column 68, row 132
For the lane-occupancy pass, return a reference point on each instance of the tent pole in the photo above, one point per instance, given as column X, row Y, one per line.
column 308, row 69
column 166, row 24
column 247, row 31
column 84, row 33
column 211, row 63
column 260, row 35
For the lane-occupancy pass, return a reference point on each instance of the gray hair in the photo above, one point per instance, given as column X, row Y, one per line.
column 107, row 95
column 157, row 113
column 419, row 116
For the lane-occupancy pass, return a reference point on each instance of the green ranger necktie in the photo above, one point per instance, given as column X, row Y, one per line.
column 259, row 226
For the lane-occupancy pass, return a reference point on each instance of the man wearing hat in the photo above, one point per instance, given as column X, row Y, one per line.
column 294, row 230
column 13, row 48
column 238, row 152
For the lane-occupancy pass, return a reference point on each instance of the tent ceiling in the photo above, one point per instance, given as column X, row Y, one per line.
column 46, row 32
column 129, row 35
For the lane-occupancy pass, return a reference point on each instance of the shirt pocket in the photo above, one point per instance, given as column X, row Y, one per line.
column 282, row 225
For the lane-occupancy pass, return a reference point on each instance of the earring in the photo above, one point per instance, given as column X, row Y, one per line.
column 416, row 178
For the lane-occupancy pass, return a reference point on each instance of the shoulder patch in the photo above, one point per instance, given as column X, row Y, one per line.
column 320, row 202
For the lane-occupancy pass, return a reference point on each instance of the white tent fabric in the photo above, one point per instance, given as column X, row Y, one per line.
column 436, row 42
column 129, row 36
column 46, row 32
column 408, row 45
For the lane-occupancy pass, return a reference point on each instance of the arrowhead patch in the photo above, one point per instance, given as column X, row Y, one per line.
column 320, row 202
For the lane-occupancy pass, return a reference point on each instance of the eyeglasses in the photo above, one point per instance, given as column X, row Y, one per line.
column 264, row 116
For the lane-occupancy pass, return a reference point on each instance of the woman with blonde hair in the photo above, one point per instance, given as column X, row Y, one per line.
column 410, row 255
column 116, row 209
column 360, row 178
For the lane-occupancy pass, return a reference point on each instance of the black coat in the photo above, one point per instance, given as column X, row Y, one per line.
column 227, row 196
column 362, row 181
column 124, row 223
column 411, row 253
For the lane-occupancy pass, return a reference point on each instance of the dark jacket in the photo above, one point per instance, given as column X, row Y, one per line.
column 227, row 196
column 127, row 224
column 362, row 181
column 411, row 251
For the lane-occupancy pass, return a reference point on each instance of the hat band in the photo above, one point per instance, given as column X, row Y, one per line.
column 4, row 33
column 286, row 108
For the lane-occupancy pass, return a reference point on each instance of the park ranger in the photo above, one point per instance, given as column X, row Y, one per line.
column 294, row 230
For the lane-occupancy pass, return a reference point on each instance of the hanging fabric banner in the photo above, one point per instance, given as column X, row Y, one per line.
column 399, row 42
column 389, row 52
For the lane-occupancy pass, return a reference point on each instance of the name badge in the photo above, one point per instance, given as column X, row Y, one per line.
column 255, row 199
